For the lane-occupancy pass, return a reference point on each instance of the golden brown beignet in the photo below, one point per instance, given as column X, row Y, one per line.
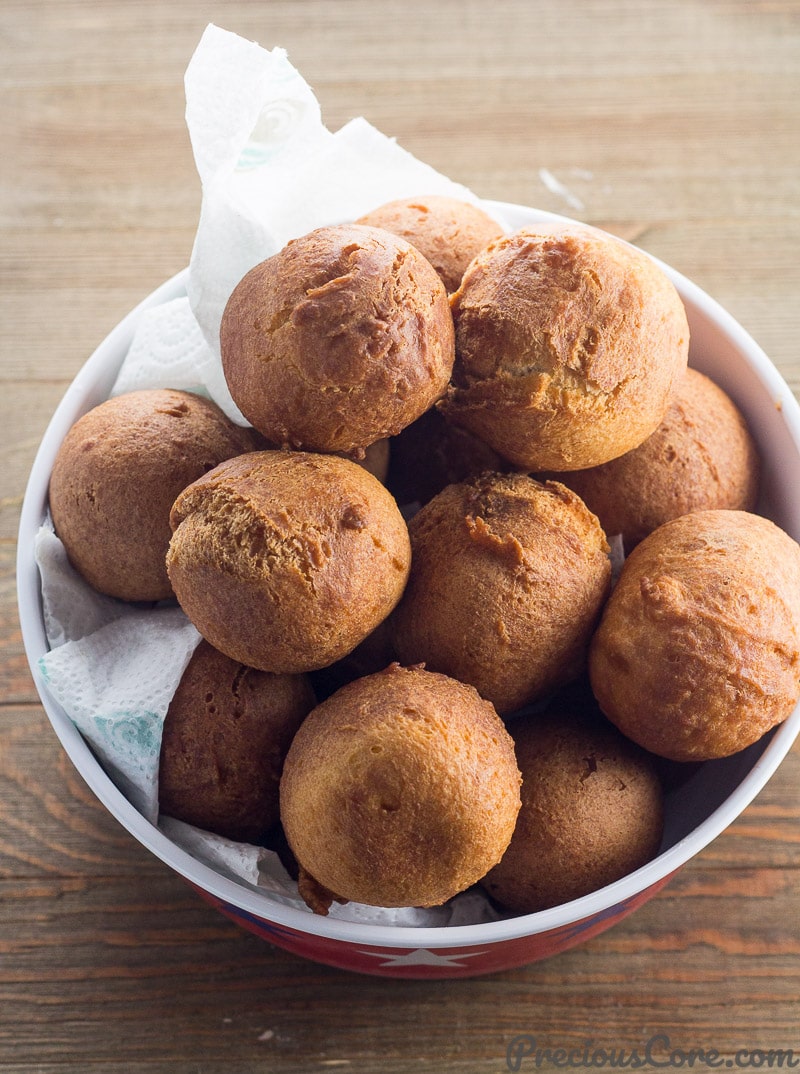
column 592, row 811
column 446, row 231
column 342, row 338
column 401, row 789
column 226, row 734
column 285, row 561
column 508, row 578
column 698, row 651
column 568, row 347
column 701, row 457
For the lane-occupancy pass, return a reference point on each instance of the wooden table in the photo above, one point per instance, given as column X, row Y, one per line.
column 675, row 124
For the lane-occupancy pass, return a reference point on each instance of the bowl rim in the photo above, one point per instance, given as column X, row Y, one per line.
column 262, row 903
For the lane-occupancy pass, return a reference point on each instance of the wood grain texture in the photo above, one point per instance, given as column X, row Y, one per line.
column 147, row 971
column 674, row 124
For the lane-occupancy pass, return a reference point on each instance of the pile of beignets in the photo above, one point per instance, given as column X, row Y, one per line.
column 417, row 674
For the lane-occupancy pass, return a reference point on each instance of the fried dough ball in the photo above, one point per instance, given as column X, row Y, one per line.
column 401, row 789
column 226, row 733
column 447, row 231
column 285, row 561
column 592, row 812
column 568, row 347
column 340, row 339
column 698, row 651
column 508, row 578
column 701, row 457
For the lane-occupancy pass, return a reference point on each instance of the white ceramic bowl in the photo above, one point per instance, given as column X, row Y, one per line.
column 697, row 811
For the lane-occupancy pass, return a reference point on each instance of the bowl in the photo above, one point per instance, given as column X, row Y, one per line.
column 696, row 811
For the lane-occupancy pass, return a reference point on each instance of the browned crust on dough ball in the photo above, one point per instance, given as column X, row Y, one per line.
column 507, row 581
column 592, row 812
column 341, row 338
column 226, row 734
column 446, row 231
column 698, row 651
column 702, row 457
column 401, row 789
column 287, row 560
column 568, row 346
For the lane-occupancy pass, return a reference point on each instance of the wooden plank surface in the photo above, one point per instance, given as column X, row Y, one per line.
column 675, row 124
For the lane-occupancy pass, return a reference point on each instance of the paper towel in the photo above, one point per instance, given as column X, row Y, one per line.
column 71, row 609
column 113, row 667
column 168, row 350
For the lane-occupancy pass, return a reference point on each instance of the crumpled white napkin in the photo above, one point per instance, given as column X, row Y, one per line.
column 168, row 350
column 113, row 667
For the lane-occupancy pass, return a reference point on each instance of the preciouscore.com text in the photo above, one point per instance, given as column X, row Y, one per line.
column 658, row 1053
